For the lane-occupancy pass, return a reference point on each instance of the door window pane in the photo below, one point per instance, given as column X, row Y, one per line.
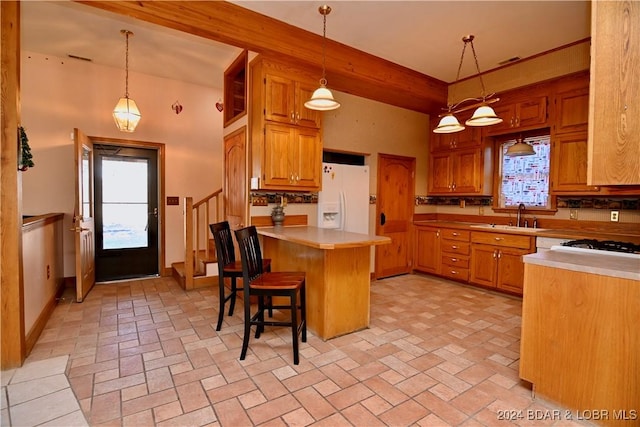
column 125, row 204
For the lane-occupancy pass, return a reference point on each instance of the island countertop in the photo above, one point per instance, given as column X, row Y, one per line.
column 323, row 238
column 605, row 264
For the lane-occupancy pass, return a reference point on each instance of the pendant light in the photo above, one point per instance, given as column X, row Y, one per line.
column 482, row 116
column 322, row 98
column 126, row 113
column 519, row 149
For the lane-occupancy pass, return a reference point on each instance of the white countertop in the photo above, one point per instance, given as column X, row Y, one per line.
column 323, row 238
column 603, row 263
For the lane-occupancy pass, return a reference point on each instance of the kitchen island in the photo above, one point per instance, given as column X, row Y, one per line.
column 580, row 342
column 337, row 265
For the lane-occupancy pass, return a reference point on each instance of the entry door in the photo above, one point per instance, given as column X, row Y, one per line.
column 394, row 211
column 83, row 218
column 126, row 185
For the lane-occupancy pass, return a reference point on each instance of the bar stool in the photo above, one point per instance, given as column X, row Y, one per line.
column 263, row 284
column 228, row 266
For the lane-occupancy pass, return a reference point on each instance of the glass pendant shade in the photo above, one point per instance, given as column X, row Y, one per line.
column 448, row 124
column 484, row 116
column 322, row 100
column 126, row 114
column 520, row 149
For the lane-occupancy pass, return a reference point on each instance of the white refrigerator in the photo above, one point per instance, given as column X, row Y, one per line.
column 343, row 202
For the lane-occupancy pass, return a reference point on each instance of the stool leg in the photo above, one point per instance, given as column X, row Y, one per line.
column 234, row 290
column 303, row 312
column 294, row 326
column 247, row 327
column 222, row 301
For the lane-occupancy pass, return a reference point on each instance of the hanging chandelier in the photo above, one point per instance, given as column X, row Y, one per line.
column 126, row 114
column 322, row 98
column 482, row 116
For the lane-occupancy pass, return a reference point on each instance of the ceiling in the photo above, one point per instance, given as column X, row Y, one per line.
column 425, row 36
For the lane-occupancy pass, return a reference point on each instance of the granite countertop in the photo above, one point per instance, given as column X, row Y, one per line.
column 604, row 264
column 323, row 238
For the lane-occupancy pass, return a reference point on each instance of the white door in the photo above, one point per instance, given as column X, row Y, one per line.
column 83, row 222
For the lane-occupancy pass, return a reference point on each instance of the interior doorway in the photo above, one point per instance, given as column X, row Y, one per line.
column 127, row 213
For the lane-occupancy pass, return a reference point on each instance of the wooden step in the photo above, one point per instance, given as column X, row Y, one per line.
column 199, row 280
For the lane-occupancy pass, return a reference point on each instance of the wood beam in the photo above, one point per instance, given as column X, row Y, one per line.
column 13, row 347
column 348, row 69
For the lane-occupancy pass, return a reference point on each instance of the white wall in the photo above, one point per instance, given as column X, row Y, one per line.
column 58, row 94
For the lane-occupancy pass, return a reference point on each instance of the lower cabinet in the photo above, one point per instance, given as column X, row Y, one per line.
column 427, row 249
column 490, row 260
column 455, row 251
column 496, row 260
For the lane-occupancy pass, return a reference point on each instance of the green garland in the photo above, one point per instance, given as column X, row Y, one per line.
column 26, row 158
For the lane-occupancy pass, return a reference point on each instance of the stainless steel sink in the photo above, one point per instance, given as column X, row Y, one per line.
column 498, row 227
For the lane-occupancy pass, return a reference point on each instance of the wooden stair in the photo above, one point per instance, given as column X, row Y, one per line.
column 199, row 248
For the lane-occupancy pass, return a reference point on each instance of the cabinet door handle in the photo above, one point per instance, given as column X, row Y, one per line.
column 297, row 117
column 454, row 185
column 293, row 116
column 438, row 233
column 499, row 254
column 494, row 254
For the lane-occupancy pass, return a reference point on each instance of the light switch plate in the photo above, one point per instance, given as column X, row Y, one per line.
column 573, row 214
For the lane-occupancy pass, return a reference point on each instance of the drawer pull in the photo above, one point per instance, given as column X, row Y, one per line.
column 455, row 234
column 454, row 259
column 498, row 238
column 454, row 272
column 454, row 247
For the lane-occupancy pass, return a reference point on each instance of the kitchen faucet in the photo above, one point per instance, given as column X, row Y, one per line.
column 521, row 208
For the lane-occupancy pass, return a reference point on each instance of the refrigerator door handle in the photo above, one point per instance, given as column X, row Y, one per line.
column 343, row 210
column 383, row 219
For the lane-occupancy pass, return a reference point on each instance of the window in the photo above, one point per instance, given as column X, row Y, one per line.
column 525, row 179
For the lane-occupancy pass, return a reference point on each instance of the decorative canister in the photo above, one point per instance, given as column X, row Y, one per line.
column 277, row 215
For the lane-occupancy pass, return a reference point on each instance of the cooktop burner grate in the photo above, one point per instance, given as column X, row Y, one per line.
column 604, row 245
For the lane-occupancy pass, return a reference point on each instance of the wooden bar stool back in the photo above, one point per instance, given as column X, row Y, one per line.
column 266, row 285
column 228, row 267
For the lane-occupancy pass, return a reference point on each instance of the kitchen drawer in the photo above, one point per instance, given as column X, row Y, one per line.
column 503, row 239
column 453, row 234
column 455, row 273
column 454, row 261
column 455, row 247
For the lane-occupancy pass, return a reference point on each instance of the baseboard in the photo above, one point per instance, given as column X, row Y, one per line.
column 33, row 335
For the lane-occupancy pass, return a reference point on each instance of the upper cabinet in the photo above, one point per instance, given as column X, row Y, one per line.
column 284, row 102
column 286, row 138
column 520, row 115
column 614, row 113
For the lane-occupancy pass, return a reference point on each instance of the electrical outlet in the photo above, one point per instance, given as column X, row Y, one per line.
column 462, row 203
column 573, row 214
column 481, row 210
column 614, row 216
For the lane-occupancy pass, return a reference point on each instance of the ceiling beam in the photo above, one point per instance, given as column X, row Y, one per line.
column 348, row 69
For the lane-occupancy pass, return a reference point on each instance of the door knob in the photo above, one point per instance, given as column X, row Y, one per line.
column 383, row 219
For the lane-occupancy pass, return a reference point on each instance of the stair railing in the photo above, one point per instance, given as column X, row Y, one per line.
column 197, row 217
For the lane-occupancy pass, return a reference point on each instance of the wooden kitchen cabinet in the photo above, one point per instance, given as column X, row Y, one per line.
column 614, row 114
column 427, row 249
column 572, row 105
column 286, row 137
column 470, row 137
column 569, row 164
column 496, row 260
column 284, row 102
column 456, row 172
column 530, row 113
column 290, row 158
column 455, row 250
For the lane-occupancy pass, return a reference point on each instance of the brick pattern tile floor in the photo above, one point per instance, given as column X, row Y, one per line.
column 146, row 352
